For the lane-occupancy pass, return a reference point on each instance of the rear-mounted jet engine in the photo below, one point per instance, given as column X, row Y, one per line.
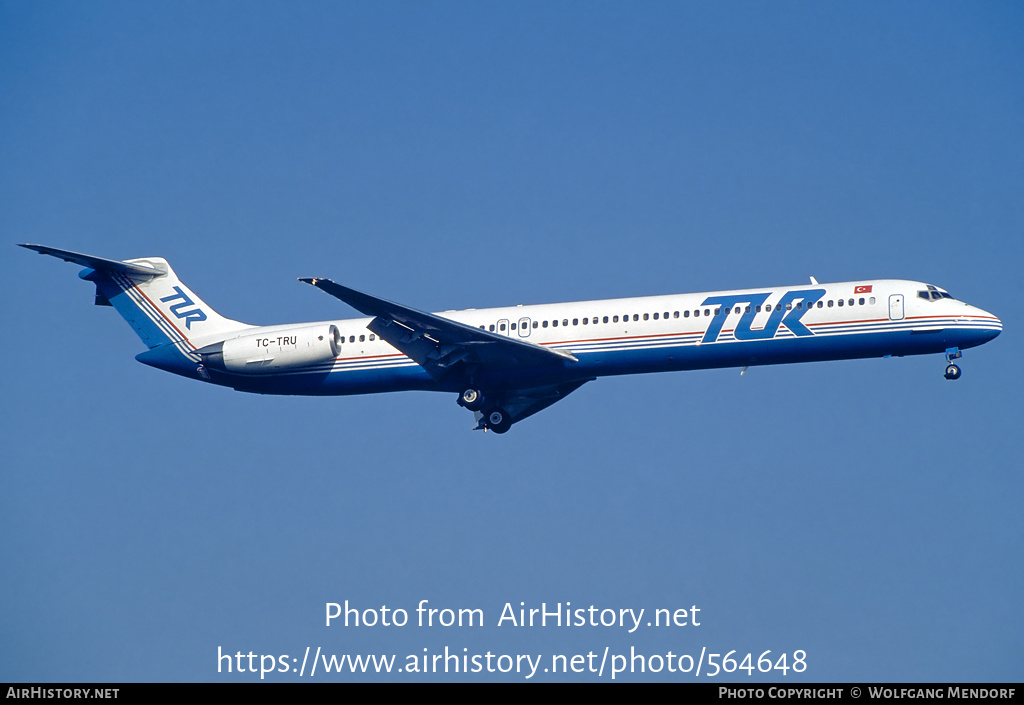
column 274, row 350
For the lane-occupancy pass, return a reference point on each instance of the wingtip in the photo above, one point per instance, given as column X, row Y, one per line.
column 316, row 281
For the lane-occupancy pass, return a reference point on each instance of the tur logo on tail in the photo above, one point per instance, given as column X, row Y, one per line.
column 195, row 314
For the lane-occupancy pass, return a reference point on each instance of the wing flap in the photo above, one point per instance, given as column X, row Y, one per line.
column 521, row 403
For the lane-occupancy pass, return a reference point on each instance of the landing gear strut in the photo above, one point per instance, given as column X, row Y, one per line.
column 952, row 371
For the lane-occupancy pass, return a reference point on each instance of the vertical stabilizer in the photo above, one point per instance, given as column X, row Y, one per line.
column 148, row 294
column 160, row 308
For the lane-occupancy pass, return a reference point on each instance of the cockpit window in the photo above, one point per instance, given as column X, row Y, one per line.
column 933, row 293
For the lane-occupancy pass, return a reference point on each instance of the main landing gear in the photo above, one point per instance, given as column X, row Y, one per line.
column 493, row 417
column 952, row 371
column 472, row 399
column 497, row 420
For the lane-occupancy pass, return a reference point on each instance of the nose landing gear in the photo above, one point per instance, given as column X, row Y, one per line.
column 952, row 371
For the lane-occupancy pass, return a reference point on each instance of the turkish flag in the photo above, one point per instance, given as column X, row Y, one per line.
column 862, row 289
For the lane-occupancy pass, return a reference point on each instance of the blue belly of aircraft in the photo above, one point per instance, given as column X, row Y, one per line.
column 630, row 358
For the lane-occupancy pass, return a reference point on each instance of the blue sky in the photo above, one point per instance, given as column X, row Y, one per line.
column 454, row 155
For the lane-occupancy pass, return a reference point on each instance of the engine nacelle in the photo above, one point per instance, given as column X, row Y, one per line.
column 278, row 350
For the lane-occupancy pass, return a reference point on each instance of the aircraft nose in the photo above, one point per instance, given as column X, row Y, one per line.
column 989, row 323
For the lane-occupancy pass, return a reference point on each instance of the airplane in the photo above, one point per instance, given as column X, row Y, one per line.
column 506, row 364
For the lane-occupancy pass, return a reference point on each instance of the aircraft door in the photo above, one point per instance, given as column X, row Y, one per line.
column 524, row 327
column 896, row 307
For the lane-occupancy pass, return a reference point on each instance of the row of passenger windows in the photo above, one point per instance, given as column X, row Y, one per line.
column 500, row 327
column 658, row 315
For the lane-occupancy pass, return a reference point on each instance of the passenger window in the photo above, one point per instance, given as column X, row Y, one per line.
column 372, row 337
column 585, row 321
column 545, row 324
column 830, row 303
column 646, row 316
column 565, row 321
column 554, row 323
column 861, row 302
column 767, row 307
column 615, row 319
column 362, row 339
column 655, row 315
column 675, row 314
column 820, row 304
column 351, row 339
column 492, row 327
column 686, row 313
column 851, row 302
column 840, row 302
column 606, row 319
column 512, row 326
column 636, row 316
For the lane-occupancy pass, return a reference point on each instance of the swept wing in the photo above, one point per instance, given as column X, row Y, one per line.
column 437, row 343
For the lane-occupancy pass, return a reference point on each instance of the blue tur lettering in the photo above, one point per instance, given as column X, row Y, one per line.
column 780, row 316
column 195, row 314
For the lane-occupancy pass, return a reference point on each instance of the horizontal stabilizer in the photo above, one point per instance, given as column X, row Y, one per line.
column 150, row 297
column 99, row 263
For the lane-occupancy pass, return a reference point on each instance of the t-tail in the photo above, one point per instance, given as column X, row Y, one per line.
column 169, row 318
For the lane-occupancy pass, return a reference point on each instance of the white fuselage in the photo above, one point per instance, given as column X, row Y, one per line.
column 657, row 333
